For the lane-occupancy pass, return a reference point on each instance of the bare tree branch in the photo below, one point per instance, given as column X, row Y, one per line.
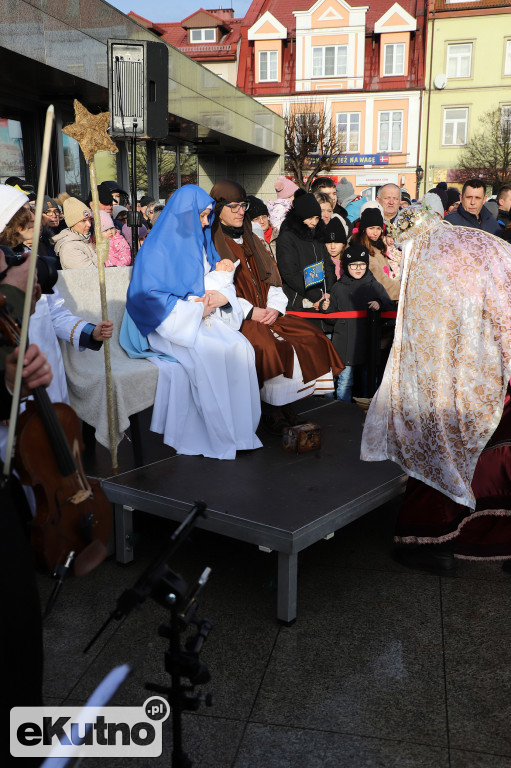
column 309, row 131
column 488, row 154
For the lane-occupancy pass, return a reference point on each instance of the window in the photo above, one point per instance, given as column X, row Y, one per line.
column 306, row 127
column 348, row 131
column 507, row 60
column 455, row 126
column 11, row 149
column 203, row 35
column 505, row 121
column 330, row 61
column 390, row 131
column 459, row 60
column 268, row 65
column 394, row 59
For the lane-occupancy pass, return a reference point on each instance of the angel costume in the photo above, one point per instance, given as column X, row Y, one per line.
column 50, row 322
column 207, row 398
column 443, row 392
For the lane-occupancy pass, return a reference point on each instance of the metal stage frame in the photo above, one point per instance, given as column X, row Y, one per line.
column 268, row 497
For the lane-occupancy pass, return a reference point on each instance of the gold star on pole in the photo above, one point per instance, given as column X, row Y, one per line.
column 90, row 131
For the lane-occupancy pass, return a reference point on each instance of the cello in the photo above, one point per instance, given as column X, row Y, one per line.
column 73, row 514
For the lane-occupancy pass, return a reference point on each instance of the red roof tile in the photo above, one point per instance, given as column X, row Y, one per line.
column 174, row 34
column 157, row 28
column 283, row 10
column 215, row 20
column 458, row 5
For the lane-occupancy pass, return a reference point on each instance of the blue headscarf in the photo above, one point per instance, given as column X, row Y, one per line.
column 170, row 264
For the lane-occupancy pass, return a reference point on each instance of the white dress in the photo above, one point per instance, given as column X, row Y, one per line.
column 208, row 403
column 50, row 320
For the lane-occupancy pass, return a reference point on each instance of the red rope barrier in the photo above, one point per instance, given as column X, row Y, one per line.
column 340, row 315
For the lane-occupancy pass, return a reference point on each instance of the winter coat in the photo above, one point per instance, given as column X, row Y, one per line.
column 119, row 252
column 296, row 249
column 351, row 335
column 486, row 222
column 354, row 206
column 277, row 211
column 381, row 269
column 503, row 217
column 74, row 251
column 46, row 247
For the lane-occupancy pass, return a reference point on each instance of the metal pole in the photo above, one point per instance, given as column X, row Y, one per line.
column 134, row 211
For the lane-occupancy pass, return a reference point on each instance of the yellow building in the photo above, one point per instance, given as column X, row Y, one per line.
column 468, row 73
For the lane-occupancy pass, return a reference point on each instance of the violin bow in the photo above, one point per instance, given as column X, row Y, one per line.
column 90, row 131
column 16, row 395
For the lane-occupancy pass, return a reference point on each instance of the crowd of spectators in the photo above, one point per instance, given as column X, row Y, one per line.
column 308, row 234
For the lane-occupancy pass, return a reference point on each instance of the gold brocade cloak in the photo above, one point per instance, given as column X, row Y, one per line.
column 442, row 394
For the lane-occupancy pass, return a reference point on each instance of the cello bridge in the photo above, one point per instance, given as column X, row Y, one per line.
column 81, row 495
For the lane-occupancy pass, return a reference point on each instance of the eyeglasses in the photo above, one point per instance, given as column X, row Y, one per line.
column 51, row 212
column 357, row 266
column 235, row 207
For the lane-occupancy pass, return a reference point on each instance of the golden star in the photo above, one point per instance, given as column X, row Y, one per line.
column 90, row 131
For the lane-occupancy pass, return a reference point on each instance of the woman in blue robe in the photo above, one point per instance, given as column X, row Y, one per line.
column 182, row 313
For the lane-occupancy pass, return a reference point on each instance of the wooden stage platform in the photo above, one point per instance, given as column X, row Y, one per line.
column 269, row 497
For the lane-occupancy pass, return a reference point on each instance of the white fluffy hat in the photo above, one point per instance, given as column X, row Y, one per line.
column 11, row 200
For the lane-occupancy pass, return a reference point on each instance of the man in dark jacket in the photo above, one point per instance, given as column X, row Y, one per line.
column 504, row 203
column 472, row 211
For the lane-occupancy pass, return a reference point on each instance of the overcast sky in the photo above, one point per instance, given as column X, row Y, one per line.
column 175, row 10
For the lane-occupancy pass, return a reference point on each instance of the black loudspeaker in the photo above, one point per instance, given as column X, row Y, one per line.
column 138, row 88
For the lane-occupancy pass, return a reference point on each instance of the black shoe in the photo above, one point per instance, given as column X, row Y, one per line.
column 292, row 417
column 506, row 566
column 274, row 424
column 432, row 558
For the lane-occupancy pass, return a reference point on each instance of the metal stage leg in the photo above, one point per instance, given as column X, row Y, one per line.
column 287, row 587
column 123, row 533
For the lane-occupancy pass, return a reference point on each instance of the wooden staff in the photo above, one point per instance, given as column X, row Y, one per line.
column 102, row 247
column 11, row 435
column 90, row 131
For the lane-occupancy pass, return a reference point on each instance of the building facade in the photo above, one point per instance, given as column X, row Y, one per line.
column 468, row 73
column 362, row 63
column 210, row 37
column 54, row 56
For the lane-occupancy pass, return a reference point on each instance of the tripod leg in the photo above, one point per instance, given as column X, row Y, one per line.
column 61, row 572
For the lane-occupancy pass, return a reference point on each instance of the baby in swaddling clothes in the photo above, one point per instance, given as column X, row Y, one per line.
column 220, row 279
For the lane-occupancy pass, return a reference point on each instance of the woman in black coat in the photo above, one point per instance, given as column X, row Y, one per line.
column 297, row 249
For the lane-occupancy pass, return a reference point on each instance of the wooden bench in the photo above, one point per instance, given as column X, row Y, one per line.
column 134, row 381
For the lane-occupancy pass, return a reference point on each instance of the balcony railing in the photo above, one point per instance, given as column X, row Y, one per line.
column 204, row 48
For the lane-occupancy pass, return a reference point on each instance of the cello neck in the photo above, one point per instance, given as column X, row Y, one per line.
column 61, row 450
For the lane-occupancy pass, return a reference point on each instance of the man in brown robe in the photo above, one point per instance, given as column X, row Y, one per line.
column 293, row 358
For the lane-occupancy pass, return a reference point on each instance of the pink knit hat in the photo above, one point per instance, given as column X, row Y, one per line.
column 285, row 187
column 106, row 221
